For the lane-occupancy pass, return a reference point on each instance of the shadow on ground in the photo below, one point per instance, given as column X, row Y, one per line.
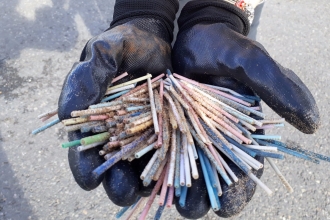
column 13, row 204
column 49, row 26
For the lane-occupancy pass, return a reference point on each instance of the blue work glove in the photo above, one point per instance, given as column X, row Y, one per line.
column 212, row 48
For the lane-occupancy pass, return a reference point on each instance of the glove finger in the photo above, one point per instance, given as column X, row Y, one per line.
column 123, row 48
column 197, row 200
column 121, row 183
column 233, row 198
column 143, row 52
column 88, row 80
column 82, row 163
column 134, row 183
column 231, row 54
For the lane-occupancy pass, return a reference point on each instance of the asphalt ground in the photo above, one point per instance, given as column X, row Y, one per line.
column 39, row 42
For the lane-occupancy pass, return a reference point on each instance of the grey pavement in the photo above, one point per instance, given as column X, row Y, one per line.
column 39, row 42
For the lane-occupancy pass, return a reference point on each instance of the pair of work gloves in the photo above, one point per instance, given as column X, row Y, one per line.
column 211, row 47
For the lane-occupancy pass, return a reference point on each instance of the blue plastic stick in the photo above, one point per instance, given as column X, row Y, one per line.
column 115, row 95
column 119, row 119
column 122, row 135
column 105, row 104
column 125, row 150
column 243, row 117
column 266, row 137
column 252, row 139
column 210, row 156
column 222, row 173
column 248, row 109
column 48, row 125
column 247, row 150
column 243, row 148
column 137, row 200
column 168, row 72
column 310, row 154
column 256, row 98
column 251, row 101
column 134, row 108
column 177, row 160
column 124, row 209
column 229, row 153
column 183, row 196
column 215, row 190
column 86, row 128
column 209, row 170
column 269, row 154
column 283, row 146
column 145, row 150
column 221, row 146
column 288, row 151
column 209, row 188
column 161, row 208
column 244, row 130
column 279, row 143
column 178, row 191
column 136, row 114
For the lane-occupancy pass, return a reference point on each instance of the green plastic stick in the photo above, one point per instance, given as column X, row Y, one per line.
column 71, row 144
column 95, row 138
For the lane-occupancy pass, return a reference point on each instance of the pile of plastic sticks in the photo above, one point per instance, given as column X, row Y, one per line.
column 180, row 121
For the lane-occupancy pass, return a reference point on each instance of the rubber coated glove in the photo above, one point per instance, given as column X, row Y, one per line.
column 138, row 41
column 212, row 48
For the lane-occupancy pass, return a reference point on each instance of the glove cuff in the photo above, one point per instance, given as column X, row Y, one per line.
column 147, row 12
column 214, row 11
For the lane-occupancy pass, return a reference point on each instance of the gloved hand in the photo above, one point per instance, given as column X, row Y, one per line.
column 138, row 41
column 212, row 48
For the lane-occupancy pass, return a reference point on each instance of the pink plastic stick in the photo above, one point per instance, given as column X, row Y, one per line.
column 160, row 134
column 46, row 118
column 212, row 90
column 136, row 208
column 144, row 85
column 226, row 113
column 255, row 108
column 119, row 77
column 164, row 188
column 98, row 117
column 152, row 196
column 160, row 118
column 48, row 114
column 161, row 91
column 220, row 121
column 170, row 197
column 198, row 122
column 211, row 148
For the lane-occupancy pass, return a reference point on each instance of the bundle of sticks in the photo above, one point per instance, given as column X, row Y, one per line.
column 180, row 121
